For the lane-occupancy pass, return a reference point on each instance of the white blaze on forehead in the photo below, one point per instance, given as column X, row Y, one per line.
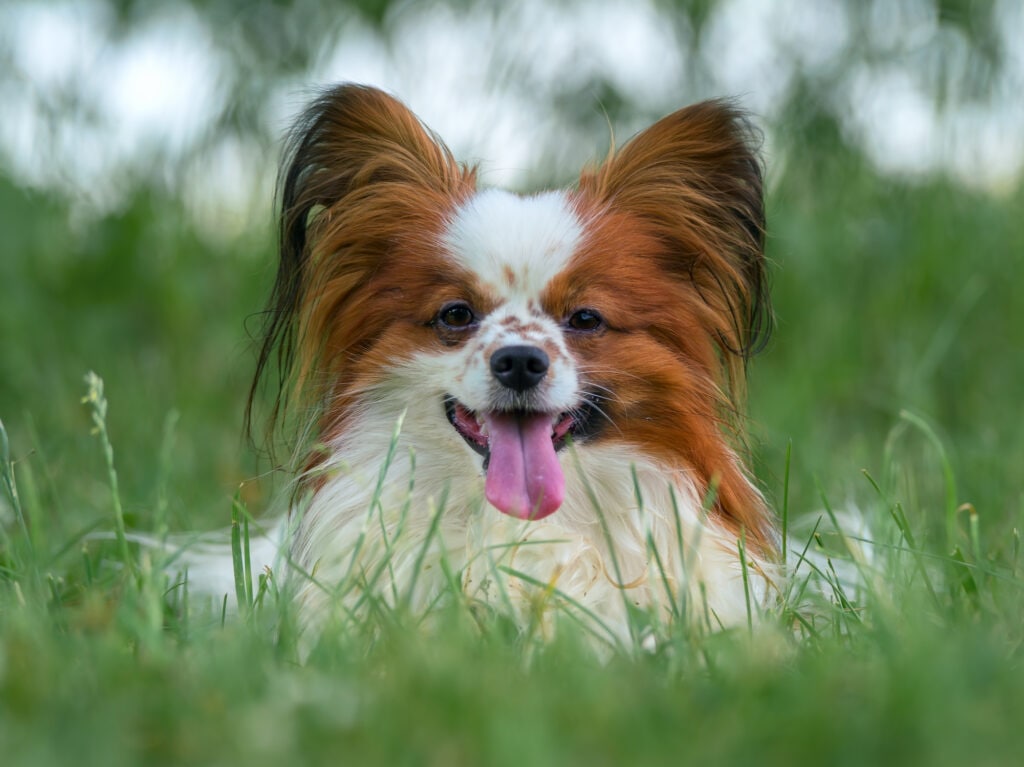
column 514, row 244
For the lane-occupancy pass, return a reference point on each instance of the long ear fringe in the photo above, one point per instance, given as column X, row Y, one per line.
column 695, row 176
column 350, row 137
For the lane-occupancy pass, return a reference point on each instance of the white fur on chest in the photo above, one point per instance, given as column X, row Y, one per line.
column 410, row 535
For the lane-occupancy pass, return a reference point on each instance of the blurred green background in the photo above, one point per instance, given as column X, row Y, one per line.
column 139, row 143
column 138, row 148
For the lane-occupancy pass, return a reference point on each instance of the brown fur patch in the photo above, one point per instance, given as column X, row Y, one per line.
column 673, row 261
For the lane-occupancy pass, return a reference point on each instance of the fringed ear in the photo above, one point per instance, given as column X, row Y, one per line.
column 358, row 164
column 695, row 179
column 350, row 138
column 693, row 183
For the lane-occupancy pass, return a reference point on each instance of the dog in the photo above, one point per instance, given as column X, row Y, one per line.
column 533, row 401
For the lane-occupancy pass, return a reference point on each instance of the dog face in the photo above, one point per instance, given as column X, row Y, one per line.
column 620, row 311
column 515, row 395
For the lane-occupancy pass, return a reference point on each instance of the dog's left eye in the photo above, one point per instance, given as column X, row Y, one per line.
column 456, row 316
column 585, row 319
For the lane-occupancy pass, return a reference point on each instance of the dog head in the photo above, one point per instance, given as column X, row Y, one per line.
column 622, row 310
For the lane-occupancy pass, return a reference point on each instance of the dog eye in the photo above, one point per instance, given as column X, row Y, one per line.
column 456, row 316
column 585, row 319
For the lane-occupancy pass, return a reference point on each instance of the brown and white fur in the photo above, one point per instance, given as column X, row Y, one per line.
column 545, row 391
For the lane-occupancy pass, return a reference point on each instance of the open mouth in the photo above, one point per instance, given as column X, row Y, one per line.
column 524, row 476
column 473, row 427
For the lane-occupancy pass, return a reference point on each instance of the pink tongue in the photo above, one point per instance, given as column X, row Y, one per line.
column 524, row 478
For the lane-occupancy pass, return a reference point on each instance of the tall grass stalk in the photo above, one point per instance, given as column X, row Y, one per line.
column 97, row 404
column 240, row 556
column 11, row 486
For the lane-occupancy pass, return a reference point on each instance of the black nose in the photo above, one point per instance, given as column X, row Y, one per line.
column 519, row 367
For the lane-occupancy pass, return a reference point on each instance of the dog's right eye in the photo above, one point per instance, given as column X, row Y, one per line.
column 585, row 320
column 456, row 316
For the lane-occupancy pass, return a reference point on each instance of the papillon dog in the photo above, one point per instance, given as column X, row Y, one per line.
column 530, row 401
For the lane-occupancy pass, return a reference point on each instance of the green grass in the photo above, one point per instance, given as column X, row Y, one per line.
column 892, row 385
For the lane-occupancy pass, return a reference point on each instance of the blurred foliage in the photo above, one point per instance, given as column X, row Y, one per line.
column 892, row 296
column 264, row 44
column 139, row 297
